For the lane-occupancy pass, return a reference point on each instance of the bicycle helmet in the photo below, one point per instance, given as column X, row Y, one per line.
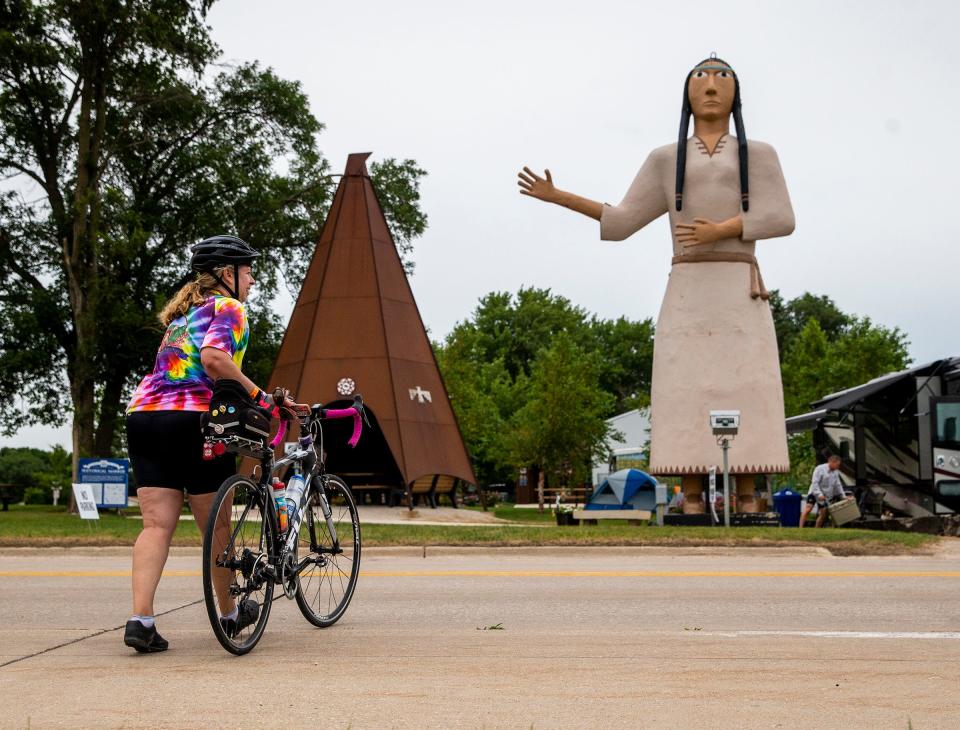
column 219, row 251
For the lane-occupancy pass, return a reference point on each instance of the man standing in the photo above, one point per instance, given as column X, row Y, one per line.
column 825, row 487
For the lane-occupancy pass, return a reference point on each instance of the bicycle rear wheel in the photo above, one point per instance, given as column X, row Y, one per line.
column 236, row 569
column 328, row 574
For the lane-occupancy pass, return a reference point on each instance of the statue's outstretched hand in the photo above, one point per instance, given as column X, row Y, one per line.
column 535, row 186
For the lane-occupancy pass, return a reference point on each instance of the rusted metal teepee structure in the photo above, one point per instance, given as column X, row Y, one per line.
column 356, row 328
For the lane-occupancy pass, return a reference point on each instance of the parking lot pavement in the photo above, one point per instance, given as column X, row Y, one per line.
column 507, row 638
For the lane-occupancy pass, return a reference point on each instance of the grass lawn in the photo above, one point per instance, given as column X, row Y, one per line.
column 45, row 525
column 40, row 526
column 514, row 514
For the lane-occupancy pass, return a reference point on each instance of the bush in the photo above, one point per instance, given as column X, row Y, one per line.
column 21, row 465
column 37, row 495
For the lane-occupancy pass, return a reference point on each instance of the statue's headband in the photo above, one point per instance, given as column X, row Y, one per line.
column 714, row 68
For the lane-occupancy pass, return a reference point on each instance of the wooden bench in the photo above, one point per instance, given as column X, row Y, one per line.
column 420, row 487
column 632, row 516
column 443, row 486
column 429, row 487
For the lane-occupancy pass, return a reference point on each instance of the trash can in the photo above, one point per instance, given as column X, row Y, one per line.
column 787, row 504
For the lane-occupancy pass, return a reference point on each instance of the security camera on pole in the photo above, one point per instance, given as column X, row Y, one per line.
column 725, row 425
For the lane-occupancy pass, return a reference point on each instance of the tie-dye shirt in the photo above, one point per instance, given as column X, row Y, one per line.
column 178, row 381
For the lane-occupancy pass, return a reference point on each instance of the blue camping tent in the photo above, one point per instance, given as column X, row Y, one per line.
column 625, row 489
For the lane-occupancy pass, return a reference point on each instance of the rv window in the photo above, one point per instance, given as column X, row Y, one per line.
column 845, row 449
column 949, row 489
column 948, row 423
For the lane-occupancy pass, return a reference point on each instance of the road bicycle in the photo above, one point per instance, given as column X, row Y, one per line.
column 246, row 553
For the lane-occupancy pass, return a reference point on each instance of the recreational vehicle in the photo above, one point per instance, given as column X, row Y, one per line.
column 897, row 435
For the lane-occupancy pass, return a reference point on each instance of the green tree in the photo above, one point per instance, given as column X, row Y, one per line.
column 398, row 191
column 789, row 318
column 488, row 362
column 626, row 364
column 817, row 364
column 266, row 334
column 562, row 426
column 804, row 369
column 32, row 473
column 20, row 465
column 56, row 475
column 515, row 328
column 481, row 394
column 126, row 143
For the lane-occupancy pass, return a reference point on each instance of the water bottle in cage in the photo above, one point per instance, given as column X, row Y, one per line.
column 295, row 489
column 280, row 497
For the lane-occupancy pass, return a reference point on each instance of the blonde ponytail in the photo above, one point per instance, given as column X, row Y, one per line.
column 192, row 294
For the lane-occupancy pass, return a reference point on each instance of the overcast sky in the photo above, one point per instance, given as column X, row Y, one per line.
column 860, row 100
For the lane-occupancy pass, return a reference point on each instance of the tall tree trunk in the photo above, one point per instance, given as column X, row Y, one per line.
column 541, row 483
column 80, row 255
column 81, row 392
column 107, row 419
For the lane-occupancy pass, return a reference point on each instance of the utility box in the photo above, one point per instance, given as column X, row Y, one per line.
column 661, row 499
column 844, row 511
column 660, row 492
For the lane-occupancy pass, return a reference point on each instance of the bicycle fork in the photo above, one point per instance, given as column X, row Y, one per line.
column 293, row 529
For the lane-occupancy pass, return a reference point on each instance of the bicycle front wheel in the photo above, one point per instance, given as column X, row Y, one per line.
column 329, row 568
column 237, row 578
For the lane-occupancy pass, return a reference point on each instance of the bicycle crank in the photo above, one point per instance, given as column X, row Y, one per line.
column 289, row 575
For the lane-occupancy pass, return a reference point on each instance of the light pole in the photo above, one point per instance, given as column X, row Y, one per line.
column 724, row 443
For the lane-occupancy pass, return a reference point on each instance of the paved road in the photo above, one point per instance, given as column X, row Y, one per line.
column 598, row 638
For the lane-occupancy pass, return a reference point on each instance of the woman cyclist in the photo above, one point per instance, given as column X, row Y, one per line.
column 206, row 337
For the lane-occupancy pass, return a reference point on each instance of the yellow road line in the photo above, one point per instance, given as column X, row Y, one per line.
column 536, row 574
column 657, row 574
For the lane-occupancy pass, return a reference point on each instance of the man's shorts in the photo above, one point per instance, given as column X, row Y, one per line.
column 166, row 450
column 817, row 499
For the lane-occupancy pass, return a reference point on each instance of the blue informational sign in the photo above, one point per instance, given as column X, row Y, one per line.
column 108, row 478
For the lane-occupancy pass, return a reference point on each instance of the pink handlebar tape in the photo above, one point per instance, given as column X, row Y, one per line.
column 281, row 432
column 347, row 413
column 332, row 413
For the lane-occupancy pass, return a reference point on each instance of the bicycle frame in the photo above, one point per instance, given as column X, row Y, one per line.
column 306, row 460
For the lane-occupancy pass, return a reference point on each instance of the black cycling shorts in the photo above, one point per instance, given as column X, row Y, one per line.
column 166, row 450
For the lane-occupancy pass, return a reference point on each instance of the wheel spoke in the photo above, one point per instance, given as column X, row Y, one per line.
column 236, row 542
column 327, row 589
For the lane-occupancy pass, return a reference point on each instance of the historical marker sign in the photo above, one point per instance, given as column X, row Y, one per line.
column 108, row 480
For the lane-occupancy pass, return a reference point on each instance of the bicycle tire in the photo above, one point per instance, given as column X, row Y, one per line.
column 326, row 586
column 248, row 545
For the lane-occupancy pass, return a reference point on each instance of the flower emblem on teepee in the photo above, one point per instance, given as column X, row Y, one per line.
column 346, row 386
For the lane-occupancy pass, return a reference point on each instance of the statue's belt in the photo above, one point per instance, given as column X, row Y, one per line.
column 757, row 289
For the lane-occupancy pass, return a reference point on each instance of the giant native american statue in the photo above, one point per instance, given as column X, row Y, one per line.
column 715, row 346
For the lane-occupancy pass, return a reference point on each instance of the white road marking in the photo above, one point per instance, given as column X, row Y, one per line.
column 841, row 634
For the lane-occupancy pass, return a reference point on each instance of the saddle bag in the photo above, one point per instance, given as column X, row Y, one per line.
column 234, row 413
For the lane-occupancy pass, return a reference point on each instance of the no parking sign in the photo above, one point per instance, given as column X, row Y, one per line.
column 85, row 504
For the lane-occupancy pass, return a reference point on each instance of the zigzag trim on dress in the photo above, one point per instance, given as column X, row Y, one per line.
column 669, row 471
